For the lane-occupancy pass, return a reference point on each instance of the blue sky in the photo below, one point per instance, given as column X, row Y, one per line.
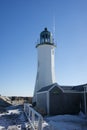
column 21, row 22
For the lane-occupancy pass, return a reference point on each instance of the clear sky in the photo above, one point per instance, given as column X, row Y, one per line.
column 21, row 22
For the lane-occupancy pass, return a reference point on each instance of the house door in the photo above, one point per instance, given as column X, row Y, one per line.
column 55, row 100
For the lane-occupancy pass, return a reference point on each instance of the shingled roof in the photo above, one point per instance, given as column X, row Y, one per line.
column 77, row 88
column 47, row 87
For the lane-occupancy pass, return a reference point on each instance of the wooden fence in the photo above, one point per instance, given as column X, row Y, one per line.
column 34, row 118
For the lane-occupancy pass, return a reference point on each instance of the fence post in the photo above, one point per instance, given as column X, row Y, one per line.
column 33, row 117
column 40, row 123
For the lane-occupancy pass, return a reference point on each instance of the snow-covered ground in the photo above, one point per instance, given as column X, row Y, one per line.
column 66, row 122
column 13, row 119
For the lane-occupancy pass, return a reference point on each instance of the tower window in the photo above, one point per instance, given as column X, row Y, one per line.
column 52, row 52
column 46, row 35
column 42, row 36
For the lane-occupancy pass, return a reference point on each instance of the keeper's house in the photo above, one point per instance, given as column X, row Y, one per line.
column 55, row 99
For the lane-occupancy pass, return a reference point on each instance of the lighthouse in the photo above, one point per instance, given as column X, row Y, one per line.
column 45, row 65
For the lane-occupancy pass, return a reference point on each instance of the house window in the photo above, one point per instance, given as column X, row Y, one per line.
column 56, row 92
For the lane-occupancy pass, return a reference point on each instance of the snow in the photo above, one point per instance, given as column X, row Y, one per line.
column 13, row 118
column 66, row 122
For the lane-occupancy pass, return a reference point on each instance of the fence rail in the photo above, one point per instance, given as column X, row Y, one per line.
column 34, row 118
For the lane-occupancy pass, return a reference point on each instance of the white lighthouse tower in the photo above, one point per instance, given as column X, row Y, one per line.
column 46, row 67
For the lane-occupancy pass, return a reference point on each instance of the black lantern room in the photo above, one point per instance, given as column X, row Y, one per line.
column 45, row 38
